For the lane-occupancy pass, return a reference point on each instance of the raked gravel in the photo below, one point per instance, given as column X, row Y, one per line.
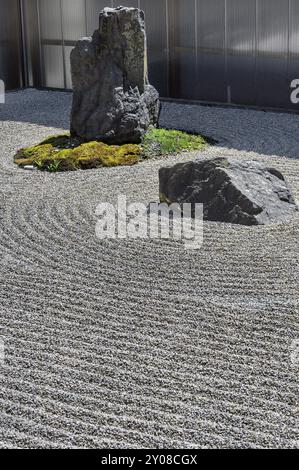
column 124, row 344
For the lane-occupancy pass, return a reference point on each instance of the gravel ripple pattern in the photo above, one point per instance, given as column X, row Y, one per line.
column 127, row 344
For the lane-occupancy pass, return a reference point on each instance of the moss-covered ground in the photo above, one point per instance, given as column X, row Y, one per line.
column 66, row 153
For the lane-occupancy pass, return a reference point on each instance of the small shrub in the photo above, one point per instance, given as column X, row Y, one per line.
column 54, row 166
column 39, row 164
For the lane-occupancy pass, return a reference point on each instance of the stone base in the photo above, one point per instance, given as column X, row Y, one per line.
column 127, row 117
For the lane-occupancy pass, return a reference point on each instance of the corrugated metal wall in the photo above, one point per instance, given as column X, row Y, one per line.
column 10, row 44
column 229, row 51
column 234, row 51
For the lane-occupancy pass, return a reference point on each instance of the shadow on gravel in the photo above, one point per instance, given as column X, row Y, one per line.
column 244, row 130
column 41, row 107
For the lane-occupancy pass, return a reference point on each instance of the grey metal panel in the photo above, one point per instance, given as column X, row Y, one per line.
column 240, row 44
column 156, row 26
column 50, row 14
column 272, row 53
column 211, row 65
column 243, row 51
column 32, row 43
column 74, row 27
column 67, row 53
column 126, row 3
column 53, row 66
column 50, row 19
column 182, row 48
column 10, row 44
column 93, row 8
column 73, row 19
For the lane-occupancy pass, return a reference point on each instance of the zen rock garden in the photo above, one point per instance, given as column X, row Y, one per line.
column 114, row 121
column 115, row 110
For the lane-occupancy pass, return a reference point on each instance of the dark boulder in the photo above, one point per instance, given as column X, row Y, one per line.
column 239, row 192
column 112, row 100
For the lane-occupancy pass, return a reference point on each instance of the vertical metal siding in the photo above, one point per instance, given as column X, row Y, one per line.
column 32, row 43
column 73, row 19
column 52, row 43
column 74, row 26
column 10, row 44
column 272, row 52
column 211, row 74
column 230, row 51
column 157, row 42
column 293, row 59
column 182, row 46
column 240, row 50
column 126, row 3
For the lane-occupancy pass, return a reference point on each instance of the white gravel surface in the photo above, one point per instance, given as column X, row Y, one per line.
column 125, row 344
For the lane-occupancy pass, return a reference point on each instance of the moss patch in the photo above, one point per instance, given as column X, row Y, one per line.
column 62, row 153
column 65, row 153
column 159, row 142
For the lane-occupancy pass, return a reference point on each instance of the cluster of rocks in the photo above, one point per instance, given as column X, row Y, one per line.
column 113, row 102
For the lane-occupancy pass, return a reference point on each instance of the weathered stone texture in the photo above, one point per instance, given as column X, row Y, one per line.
column 113, row 101
column 239, row 192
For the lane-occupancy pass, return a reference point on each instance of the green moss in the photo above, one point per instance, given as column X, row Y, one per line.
column 66, row 153
column 63, row 153
column 158, row 142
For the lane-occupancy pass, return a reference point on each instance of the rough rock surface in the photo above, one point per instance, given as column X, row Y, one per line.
column 247, row 193
column 113, row 101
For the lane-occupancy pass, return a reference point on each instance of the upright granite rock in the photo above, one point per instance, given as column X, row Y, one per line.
column 112, row 100
column 239, row 192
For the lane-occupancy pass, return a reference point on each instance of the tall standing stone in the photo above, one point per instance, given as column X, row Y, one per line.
column 112, row 98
